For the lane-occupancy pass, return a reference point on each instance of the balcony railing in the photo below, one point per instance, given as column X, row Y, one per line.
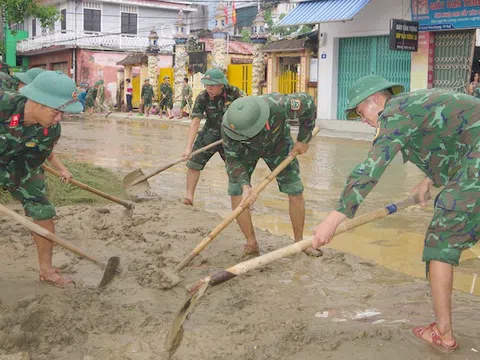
column 92, row 40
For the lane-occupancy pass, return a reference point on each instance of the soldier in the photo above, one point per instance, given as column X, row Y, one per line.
column 29, row 129
column 187, row 95
column 255, row 128
column 25, row 78
column 439, row 132
column 213, row 102
column 7, row 82
column 147, row 96
column 167, row 98
column 90, row 99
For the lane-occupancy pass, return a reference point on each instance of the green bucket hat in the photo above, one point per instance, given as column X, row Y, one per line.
column 55, row 90
column 214, row 77
column 28, row 76
column 365, row 87
column 245, row 117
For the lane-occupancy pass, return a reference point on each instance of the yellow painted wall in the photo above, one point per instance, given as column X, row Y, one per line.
column 240, row 76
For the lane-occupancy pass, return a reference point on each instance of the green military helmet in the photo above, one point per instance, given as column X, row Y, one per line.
column 214, row 77
column 55, row 90
column 28, row 76
column 366, row 87
column 245, row 117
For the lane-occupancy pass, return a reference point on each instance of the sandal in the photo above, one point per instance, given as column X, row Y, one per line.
column 250, row 251
column 313, row 252
column 437, row 341
column 54, row 278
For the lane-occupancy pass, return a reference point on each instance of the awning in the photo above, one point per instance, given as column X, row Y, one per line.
column 320, row 11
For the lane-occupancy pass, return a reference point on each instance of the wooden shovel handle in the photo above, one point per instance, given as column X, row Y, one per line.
column 83, row 186
column 241, row 208
column 48, row 235
column 297, row 247
column 168, row 166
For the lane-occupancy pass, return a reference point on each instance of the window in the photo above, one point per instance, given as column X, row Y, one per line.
column 34, row 27
column 63, row 20
column 129, row 23
column 91, row 20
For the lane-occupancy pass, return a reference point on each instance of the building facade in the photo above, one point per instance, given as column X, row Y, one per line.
column 92, row 36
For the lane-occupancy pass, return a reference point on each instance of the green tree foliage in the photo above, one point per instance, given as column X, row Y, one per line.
column 15, row 11
column 281, row 30
column 246, row 35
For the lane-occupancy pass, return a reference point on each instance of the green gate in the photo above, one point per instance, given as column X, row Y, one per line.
column 362, row 56
column 453, row 60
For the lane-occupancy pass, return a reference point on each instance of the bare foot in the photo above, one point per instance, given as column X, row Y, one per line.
column 187, row 201
column 250, row 250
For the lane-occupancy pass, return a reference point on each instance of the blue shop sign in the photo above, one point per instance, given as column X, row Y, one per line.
column 446, row 14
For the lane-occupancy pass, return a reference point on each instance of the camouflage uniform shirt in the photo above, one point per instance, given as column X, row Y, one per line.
column 7, row 82
column 147, row 95
column 213, row 109
column 167, row 96
column 274, row 140
column 22, row 148
column 439, row 132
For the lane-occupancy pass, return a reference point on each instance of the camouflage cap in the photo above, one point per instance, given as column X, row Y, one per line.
column 28, row 76
column 55, row 90
column 214, row 77
column 366, row 87
column 245, row 117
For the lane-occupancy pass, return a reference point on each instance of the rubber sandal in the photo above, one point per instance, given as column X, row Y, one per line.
column 60, row 281
column 437, row 342
column 249, row 251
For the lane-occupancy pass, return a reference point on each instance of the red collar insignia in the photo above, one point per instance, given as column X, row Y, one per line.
column 15, row 120
column 45, row 131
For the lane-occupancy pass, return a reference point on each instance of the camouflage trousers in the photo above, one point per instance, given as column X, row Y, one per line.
column 147, row 101
column 205, row 137
column 455, row 226
column 166, row 103
column 184, row 103
column 30, row 190
column 289, row 180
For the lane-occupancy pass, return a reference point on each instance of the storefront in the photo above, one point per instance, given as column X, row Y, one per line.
column 450, row 29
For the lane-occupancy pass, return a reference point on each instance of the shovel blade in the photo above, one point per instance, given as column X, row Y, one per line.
column 109, row 272
column 136, row 189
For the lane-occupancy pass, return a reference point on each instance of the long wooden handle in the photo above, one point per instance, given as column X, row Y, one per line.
column 297, row 247
column 83, row 186
column 48, row 235
column 165, row 167
column 241, row 208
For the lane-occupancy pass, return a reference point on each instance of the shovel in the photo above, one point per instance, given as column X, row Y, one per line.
column 135, row 183
column 109, row 268
column 241, row 208
column 197, row 289
column 128, row 205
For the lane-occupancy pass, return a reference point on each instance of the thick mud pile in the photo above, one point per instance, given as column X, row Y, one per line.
column 335, row 307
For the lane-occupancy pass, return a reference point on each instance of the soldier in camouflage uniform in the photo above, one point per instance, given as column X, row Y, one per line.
column 7, row 82
column 212, row 102
column 25, row 78
column 439, row 132
column 90, row 99
column 187, row 95
column 166, row 102
column 29, row 129
column 147, row 96
column 256, row 128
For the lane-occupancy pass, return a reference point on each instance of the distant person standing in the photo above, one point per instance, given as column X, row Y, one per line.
column 474, row 84
column 129, row 95
column 166, row 102
column 187, row 97
column 147, row 96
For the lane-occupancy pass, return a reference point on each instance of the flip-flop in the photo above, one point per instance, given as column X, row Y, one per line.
column 437, row 341
column 60, row 281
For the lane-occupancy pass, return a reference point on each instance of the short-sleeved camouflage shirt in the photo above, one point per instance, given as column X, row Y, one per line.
column 274, row 137
column 439, row 132
column 214, row 109
column 22, row 148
